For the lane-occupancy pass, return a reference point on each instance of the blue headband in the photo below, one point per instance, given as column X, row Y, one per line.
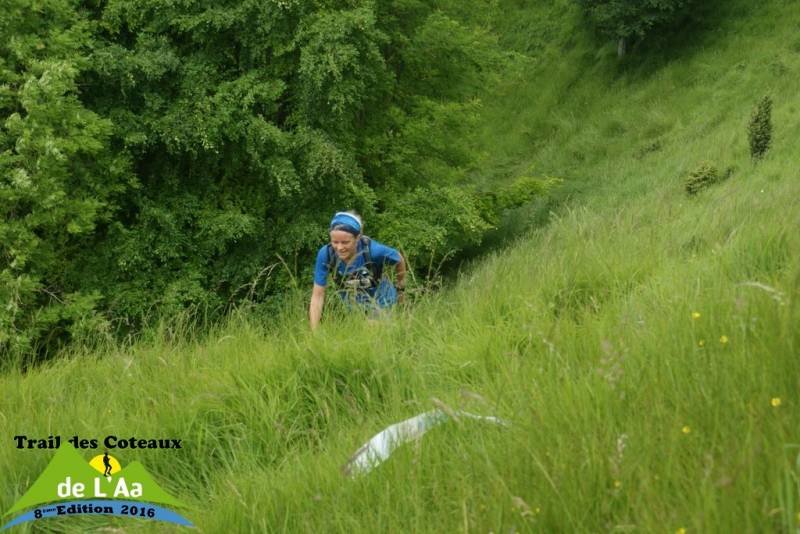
column 346, row 222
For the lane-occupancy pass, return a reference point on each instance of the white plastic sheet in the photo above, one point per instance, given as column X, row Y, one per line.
column 380, row 447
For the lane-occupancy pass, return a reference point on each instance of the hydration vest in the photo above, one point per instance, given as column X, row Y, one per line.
column 365, row 278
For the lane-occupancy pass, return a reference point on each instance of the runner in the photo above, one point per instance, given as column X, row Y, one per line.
column 356, row 264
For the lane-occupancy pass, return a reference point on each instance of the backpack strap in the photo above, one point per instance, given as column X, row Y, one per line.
column 375, row 269
column 333, row 266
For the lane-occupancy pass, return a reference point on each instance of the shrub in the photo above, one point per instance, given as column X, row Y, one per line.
column 759, row 131
column 434, row 222
column 628, row 19
column 705, row 175
column 160, row 156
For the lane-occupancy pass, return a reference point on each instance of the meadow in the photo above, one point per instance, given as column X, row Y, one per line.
column 642, row 343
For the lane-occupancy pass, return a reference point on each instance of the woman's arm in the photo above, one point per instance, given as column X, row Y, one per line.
column 315, row 308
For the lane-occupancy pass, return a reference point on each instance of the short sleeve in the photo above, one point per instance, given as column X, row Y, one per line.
column 321, row 267
column 383, row 254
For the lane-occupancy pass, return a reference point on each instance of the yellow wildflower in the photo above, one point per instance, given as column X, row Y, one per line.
column 680, row 531
column 617, row 484
column 701, row 343
column 723, row 339
column 775, row 402
column 695, row 315
column 686, row 429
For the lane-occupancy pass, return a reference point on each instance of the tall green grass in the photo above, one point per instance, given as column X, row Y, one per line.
column 628, row 411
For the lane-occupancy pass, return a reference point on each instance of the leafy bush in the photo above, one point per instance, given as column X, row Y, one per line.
column 626, row 19
column 433, row 222
column 59, row 184
column 759, row 130
column 161, row 155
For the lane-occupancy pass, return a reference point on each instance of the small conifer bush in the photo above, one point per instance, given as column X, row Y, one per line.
column 701, row 177
column 759, row 131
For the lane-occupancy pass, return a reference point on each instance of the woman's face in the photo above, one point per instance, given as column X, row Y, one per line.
column 344, row 244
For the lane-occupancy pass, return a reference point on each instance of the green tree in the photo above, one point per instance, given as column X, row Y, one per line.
column 624, row 20
column 59, row 181
column 159, row 155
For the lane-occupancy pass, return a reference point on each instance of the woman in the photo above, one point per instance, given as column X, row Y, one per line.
column 356, row 263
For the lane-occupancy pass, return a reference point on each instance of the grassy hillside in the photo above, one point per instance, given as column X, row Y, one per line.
column 642, row 343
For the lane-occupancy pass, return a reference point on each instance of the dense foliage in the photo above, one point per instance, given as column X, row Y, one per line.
column 156, row 154
column 627, row 19
column 704, row 176
column 759, row 129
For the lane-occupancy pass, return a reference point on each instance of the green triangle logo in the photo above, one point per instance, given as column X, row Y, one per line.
column 69, row 476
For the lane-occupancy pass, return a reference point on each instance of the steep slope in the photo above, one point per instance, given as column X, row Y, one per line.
column 643, row 343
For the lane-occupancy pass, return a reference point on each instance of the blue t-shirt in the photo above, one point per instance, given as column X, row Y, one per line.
column 383, row 295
